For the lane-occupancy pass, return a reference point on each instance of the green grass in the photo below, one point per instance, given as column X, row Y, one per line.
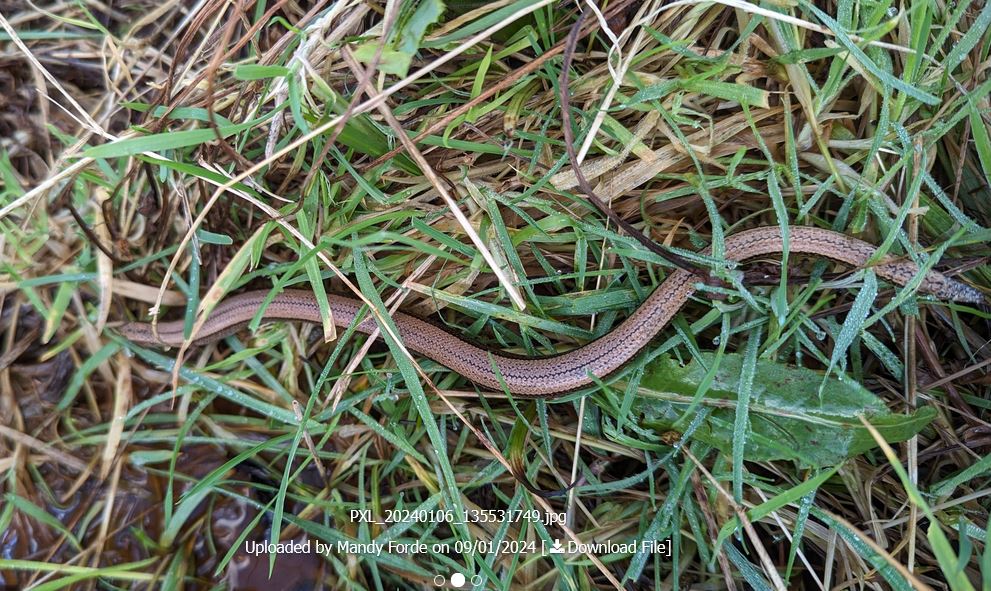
column 781, row 436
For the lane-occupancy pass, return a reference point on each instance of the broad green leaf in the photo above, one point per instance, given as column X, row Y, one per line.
column 787, row 419
column 405, row 41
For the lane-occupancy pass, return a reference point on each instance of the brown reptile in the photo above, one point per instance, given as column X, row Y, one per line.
column 545, row 377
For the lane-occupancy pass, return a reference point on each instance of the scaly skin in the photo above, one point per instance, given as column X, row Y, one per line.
column 545, row 377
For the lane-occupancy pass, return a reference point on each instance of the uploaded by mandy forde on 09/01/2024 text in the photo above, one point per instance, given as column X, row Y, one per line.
column 402, row 547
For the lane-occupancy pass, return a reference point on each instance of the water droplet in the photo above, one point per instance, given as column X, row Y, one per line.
column 892, row 12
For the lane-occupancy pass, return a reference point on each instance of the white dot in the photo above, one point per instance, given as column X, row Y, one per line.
column 457, row 579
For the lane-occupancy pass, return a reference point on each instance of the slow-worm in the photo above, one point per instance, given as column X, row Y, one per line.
column 551, row 376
